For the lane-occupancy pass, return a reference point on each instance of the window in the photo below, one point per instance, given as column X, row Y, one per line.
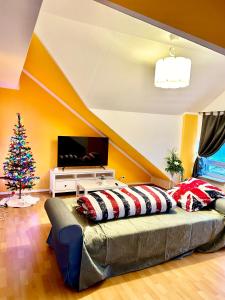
column 215, row 164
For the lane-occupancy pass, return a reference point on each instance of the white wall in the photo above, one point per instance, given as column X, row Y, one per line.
column 217, row 104
column 150, row 134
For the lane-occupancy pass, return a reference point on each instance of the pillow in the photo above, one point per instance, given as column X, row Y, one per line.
column 125, row 202
column 194, row 194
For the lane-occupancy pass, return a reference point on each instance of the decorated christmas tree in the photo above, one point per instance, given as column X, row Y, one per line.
column 19, row 167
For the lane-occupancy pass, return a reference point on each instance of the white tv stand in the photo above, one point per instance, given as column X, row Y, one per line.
column 64, row 181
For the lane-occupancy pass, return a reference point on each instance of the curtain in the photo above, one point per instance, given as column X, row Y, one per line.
column 212, row 138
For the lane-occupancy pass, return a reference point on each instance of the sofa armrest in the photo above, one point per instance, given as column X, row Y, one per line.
column 64, row 224
column 66, row 239
column 219, row 205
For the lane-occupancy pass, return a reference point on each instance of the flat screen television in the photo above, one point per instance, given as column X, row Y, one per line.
column 82, row 151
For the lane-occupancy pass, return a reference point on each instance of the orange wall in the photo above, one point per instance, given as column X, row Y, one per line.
column 41, row 65
column 204, row 19
column 45, row 119
column 188, row 142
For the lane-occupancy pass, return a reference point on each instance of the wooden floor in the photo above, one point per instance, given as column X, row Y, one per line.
column 28, row 268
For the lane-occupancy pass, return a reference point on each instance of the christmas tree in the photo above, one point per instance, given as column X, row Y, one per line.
column 19, row 167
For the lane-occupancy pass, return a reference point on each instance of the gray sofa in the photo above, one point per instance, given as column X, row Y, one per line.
column 88, row 253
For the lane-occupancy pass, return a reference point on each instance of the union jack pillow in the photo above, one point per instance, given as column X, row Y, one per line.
column 126, row 202
column 194, row 194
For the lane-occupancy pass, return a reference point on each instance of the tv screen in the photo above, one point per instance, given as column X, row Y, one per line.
column 82, row 151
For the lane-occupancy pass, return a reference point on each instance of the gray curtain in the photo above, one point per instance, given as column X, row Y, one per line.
column 212, row 138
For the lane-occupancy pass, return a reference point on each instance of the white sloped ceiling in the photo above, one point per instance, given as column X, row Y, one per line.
column 109, row 58
column 17, row 21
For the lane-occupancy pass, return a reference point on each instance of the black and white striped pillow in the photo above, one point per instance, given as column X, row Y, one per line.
column 126, row 202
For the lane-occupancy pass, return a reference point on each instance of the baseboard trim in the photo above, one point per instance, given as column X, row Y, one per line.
column 160, row 182
column 26, row 192
column 137, row 183
column 47, row 190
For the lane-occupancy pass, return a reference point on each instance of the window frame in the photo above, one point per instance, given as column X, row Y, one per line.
column 215, row 176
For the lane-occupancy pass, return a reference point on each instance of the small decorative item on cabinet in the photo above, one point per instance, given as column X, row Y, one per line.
column 174, row 166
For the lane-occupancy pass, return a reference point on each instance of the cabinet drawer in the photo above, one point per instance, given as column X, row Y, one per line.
column 65, row 185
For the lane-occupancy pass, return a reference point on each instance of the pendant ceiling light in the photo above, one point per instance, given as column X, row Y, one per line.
column 172, row 72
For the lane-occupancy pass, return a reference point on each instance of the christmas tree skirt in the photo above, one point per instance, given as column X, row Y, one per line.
column 14, row 201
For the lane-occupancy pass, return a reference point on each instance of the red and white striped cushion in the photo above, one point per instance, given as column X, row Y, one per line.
column 126, row 202
column 194, row 194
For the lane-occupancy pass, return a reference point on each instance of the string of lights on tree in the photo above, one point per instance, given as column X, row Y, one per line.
column 19, row 166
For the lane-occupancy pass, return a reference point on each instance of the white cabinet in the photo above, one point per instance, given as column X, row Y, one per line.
column 63, row 181
column 64, row 185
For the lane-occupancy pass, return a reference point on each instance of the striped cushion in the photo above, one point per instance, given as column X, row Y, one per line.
column 126, row 202
column 194, row 194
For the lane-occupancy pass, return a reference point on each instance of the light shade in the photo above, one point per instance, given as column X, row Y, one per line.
column 172, row 72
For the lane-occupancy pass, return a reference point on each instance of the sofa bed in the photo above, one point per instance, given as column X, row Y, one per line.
column 88, row 252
